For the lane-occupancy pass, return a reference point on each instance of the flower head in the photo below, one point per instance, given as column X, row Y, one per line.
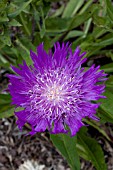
column 56, row 93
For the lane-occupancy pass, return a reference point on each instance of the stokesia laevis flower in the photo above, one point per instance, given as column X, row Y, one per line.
column 56, row 92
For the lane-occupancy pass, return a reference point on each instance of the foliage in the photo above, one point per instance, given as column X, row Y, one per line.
column 25, row 24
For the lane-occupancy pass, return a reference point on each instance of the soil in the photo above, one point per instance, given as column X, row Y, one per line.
column 21, row 152
column 16, row 149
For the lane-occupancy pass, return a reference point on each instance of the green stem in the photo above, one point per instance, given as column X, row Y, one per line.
column 24, row 25
column 34, row 8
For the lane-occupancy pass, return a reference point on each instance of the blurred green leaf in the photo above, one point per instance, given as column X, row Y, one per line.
column 87, row 27
column 81, row 18
column 104, row 43
column 73, row 34
column 19, row 9
column 71, row 8
column 98, row 32
column 85, row 6
column 110, row 81
column 5, row 99
column 15, row 23
column 109, row 54
column 7, row 112
column 108, row 67
column 6, row 39
column 3, row 5
column 106, row 107
column 100, row 21
column 3, row 17
column 42, row 28
column 56, row 24
column 97, row 125
column 89, row 149
column 109, row 9
column 67, row 146
column 24, row 49
column 58, row 11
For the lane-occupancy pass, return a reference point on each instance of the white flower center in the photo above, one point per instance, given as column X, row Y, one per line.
column 54, row 93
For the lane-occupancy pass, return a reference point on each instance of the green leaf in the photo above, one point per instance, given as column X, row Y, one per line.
column 110, row 81
column 87, row 26
column 42, row 28
column 109, row 9
column 104, row 43
column 3, row 5
column 98, row 32
column 6, row 39
column 86, row 6
column 107, row 105
column 71, row 8
column 109, row 53
column 6, row 111
column 19, row 9
column 97, row 125
column 89, row 149
column 14, row 22
column 81, row 18
column 74, row 33
column 4, row 18
column 100, row 21
column 58, row 11
column 56, row 24
column 67, row 147
column 5, row 98
column 24, row 50
column 3, row 60
column 108, row 67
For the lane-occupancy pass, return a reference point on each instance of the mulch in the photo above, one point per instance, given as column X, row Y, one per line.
column 16, row 148
column 20, row 152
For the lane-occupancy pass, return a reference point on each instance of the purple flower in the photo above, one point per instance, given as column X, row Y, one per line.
column 56, row 93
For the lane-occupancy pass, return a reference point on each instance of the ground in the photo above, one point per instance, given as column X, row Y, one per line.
column 20, row 152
